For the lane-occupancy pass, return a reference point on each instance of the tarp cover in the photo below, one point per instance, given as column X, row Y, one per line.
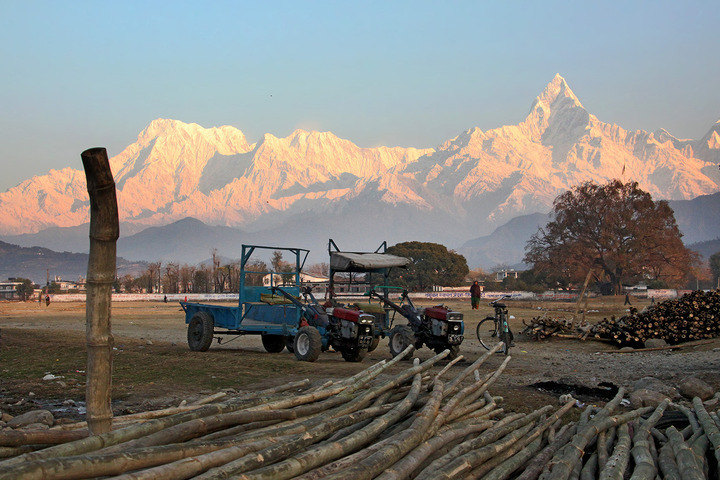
column 364, row 262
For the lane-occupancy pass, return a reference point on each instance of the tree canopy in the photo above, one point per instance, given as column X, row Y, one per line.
column 615, row 229
column 714, row 262
column 431, row 264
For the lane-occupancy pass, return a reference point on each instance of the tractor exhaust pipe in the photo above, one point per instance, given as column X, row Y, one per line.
column 104, row 232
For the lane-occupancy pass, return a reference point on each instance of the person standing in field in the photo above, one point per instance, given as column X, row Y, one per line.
column 475, row 293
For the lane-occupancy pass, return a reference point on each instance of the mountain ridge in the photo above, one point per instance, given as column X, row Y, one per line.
column 467, row 186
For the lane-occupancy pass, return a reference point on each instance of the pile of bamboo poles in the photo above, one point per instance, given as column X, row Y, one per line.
column 543, row 327
column 606, row 445
column 694, row 316
column 409, row 424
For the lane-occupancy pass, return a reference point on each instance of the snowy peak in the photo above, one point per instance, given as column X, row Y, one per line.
column 556, row 115
column 556, row 92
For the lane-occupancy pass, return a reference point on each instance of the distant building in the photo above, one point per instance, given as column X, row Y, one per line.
column 277, row 279
column 503, row 274
column 8, row 290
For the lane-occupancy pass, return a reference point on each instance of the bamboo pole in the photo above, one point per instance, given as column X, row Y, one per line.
column 18, row 438
column 536, row 465
column 403, row 469
column 322, row 454
column 684, row 456
column 523, row 443
column 666, row 462
column 645, row 464
column 104, row 232
column 618, row 461
column 710, row 427
column 405, row 441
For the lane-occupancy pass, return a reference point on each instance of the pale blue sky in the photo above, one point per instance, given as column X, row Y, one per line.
column 81, row 74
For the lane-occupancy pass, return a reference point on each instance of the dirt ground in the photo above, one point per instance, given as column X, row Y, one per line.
column 153, row 365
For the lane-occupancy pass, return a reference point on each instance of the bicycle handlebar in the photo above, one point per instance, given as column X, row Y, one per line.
column 492, row 304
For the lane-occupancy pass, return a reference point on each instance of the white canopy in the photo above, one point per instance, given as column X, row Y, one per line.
column 364, row 262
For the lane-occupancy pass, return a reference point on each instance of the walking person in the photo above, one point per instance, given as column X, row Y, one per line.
column 47, row 300
column 627, row 299
column 475, row 294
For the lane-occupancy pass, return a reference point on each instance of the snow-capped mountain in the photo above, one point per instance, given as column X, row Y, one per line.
column 315, row 180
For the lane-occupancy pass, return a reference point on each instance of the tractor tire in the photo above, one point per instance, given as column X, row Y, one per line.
column 200, row 332
column 273, row 343
column 374, row 344
column 355, row 355
column 401, row 337
column 290, row 344
column 308, row 344
column 454, row 351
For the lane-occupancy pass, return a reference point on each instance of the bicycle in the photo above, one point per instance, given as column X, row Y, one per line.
column 496, row 327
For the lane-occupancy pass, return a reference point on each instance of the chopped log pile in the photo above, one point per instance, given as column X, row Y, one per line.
column 412, row 423
column 694, row 316
column 543, row 327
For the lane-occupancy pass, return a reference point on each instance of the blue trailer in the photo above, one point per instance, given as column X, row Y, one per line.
column 259, row 311
column 280, row 317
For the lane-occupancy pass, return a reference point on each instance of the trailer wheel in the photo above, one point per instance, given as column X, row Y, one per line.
column 273, row 343
column 308, row 344
column 290, row 344
column 200, row 332
column 354, row 355
column 401, row 337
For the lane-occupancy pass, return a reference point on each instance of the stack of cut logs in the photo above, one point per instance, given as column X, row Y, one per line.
column 694, row 316
column 411, row 424
column 541, row 328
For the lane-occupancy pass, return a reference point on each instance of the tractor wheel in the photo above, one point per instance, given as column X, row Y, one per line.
column 200, row 332
column 273, row 343
column 401, row 337
column 454, row 351
column 308, row 344
column 290, row 344
column 354, row 355
column 374, row 344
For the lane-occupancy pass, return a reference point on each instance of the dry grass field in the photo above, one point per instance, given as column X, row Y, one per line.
column 153, row 365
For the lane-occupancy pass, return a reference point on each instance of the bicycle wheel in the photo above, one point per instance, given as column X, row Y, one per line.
column 487, row 332
column 505, row 338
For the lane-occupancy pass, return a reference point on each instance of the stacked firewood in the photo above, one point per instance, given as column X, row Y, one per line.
column 694, row 316
column 543, row 327
column 411, row 424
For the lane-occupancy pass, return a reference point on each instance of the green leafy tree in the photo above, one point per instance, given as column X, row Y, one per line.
column 617, row 230
column 715, row 267
column 25, row 289
column 53, row 288
column 431, row 264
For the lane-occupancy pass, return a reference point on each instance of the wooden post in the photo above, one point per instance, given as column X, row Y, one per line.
column 582, row 294
column 104, row 232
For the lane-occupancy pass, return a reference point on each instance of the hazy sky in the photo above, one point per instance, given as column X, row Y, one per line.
column 81, row 74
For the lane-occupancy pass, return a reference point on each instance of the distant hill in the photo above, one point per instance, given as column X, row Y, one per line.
column 698, row 218
column 33, row 263
column 186, row 241
column 505, row 245
column 706, row 248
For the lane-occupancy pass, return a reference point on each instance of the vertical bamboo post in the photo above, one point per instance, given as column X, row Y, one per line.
column 104, row 232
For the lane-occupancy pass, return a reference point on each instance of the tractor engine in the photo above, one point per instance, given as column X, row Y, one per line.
column 444, row 322
column 352, row 326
